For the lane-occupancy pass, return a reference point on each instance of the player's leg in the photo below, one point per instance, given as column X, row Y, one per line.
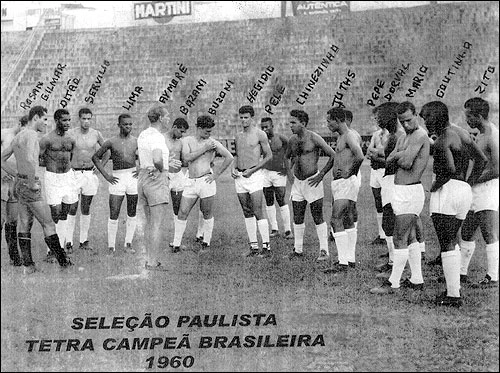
column 10, row 209
column 206, row 207
column 467, row 243
column 69, row 210
column 131, row 220
column 488, row 223
column 299, row 212
column 56, row 213
column 85, row 218
column 321, row 228
column 379, row 208
column 419, row 231
column 115, row 204
column 257, row 198
column 250, row 221
column 156, row 232
column 271, row 210
column 340, row 209
column 280, row 192
column 388, row 221
column 186, row 205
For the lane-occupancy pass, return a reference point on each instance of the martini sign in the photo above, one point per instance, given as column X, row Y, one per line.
column 162, row 11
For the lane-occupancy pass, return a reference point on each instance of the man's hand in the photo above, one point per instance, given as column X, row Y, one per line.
column 210, row 145
column 235, row 173
column 7, row 178
column 175, row 163
column 210, row 178
column 248, row 172
column 316, row 180
column 111, row 179
column 135, row 174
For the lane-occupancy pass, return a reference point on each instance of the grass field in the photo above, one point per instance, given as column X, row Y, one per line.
column 362, row 332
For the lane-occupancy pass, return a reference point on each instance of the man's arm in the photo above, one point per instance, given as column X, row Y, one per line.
column 107, row 155
column 353, row 144
column 406, row 157
column 190, row 156
column 392, row 158
column 97, row 157
column 266, row 149
column 321, row 143
column 43, row 148
column 447, row 169
column 492, row 169
column 234, row 172
column 6, row 154
column 228, row 159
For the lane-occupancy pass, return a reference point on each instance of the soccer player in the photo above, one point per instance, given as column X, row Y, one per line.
column 123, row 182
column 9, row 201
column 275, row 176
column 451, row 195
column 87, row 141
column 345, row 187
column 375, row 153
column 252, row 153
column 410, row 156
column 56, row 150
column 484, row 182
column 153, row 184
column 307, row 181
column 199, row 151
column 28, row 189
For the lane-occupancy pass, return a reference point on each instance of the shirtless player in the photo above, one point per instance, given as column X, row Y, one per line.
column 307, row 187
column 123, row 150
column 199, row 151
column 251, row 144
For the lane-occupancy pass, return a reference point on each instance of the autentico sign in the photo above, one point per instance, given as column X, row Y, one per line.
column 301, row 8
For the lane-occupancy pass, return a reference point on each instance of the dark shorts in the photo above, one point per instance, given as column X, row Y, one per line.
column 153, row 192
column 28, row 190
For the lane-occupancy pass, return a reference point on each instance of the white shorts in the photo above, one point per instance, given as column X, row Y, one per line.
column 453, row 198
column 408, row 199
column 301, row 190
column 178, row 180
column 485, row 196
column 273, row 178
column 346, row 188
column 249, row 184
column 60, row 188
column 376, row 177
column 387, row 189
column 127, row 183
column 198, row 187
column 86, row 181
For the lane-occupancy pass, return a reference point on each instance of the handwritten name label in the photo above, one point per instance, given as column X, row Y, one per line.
column 193, row 96
column 377, row 89
column 316, row 74
column 337, row 99
column 72, row 85
column 275, row 99
column 131, row 99
column 490, row 69
column 457, row 63
column 220, row 98
column 396, row 82
column 26, row 104
column 97, row 83
column 417, row 81
column 165, row 96
column 257, row 87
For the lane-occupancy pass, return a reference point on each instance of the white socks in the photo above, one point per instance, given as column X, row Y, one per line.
column 131, row 224
column 285, row 215
column 180, row 227
column 251, row 226
column 466, row 251
column 381, row 232
column 84, row 227
column 112, row 229
column 451, row 269
column 61, row 231
column 271, row 216
column 199, row 232
column 400, row 258
column 342, row 242
column 422, row 247
column 263, row 229
column 70, row 228
column 492, row 257
column 322, row 231
column 299, row 237
column 208, row 227
column 415, row 260
column 352, row 234
column 390, row 248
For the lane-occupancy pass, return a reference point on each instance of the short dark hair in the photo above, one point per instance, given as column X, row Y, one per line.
column 181, row 123
column 156, row 112
column 84, row 110
column 478, row 106
column 301, row 115
column 122, row 116
column 266, row 119
column 37, row 110
column 246, row 109
column 205, row 121
column 404, row 106
column 438, row 111
column 336, row 113
column 59, row 113
column 23, row 120
column 387, row 118
column 348, row 115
